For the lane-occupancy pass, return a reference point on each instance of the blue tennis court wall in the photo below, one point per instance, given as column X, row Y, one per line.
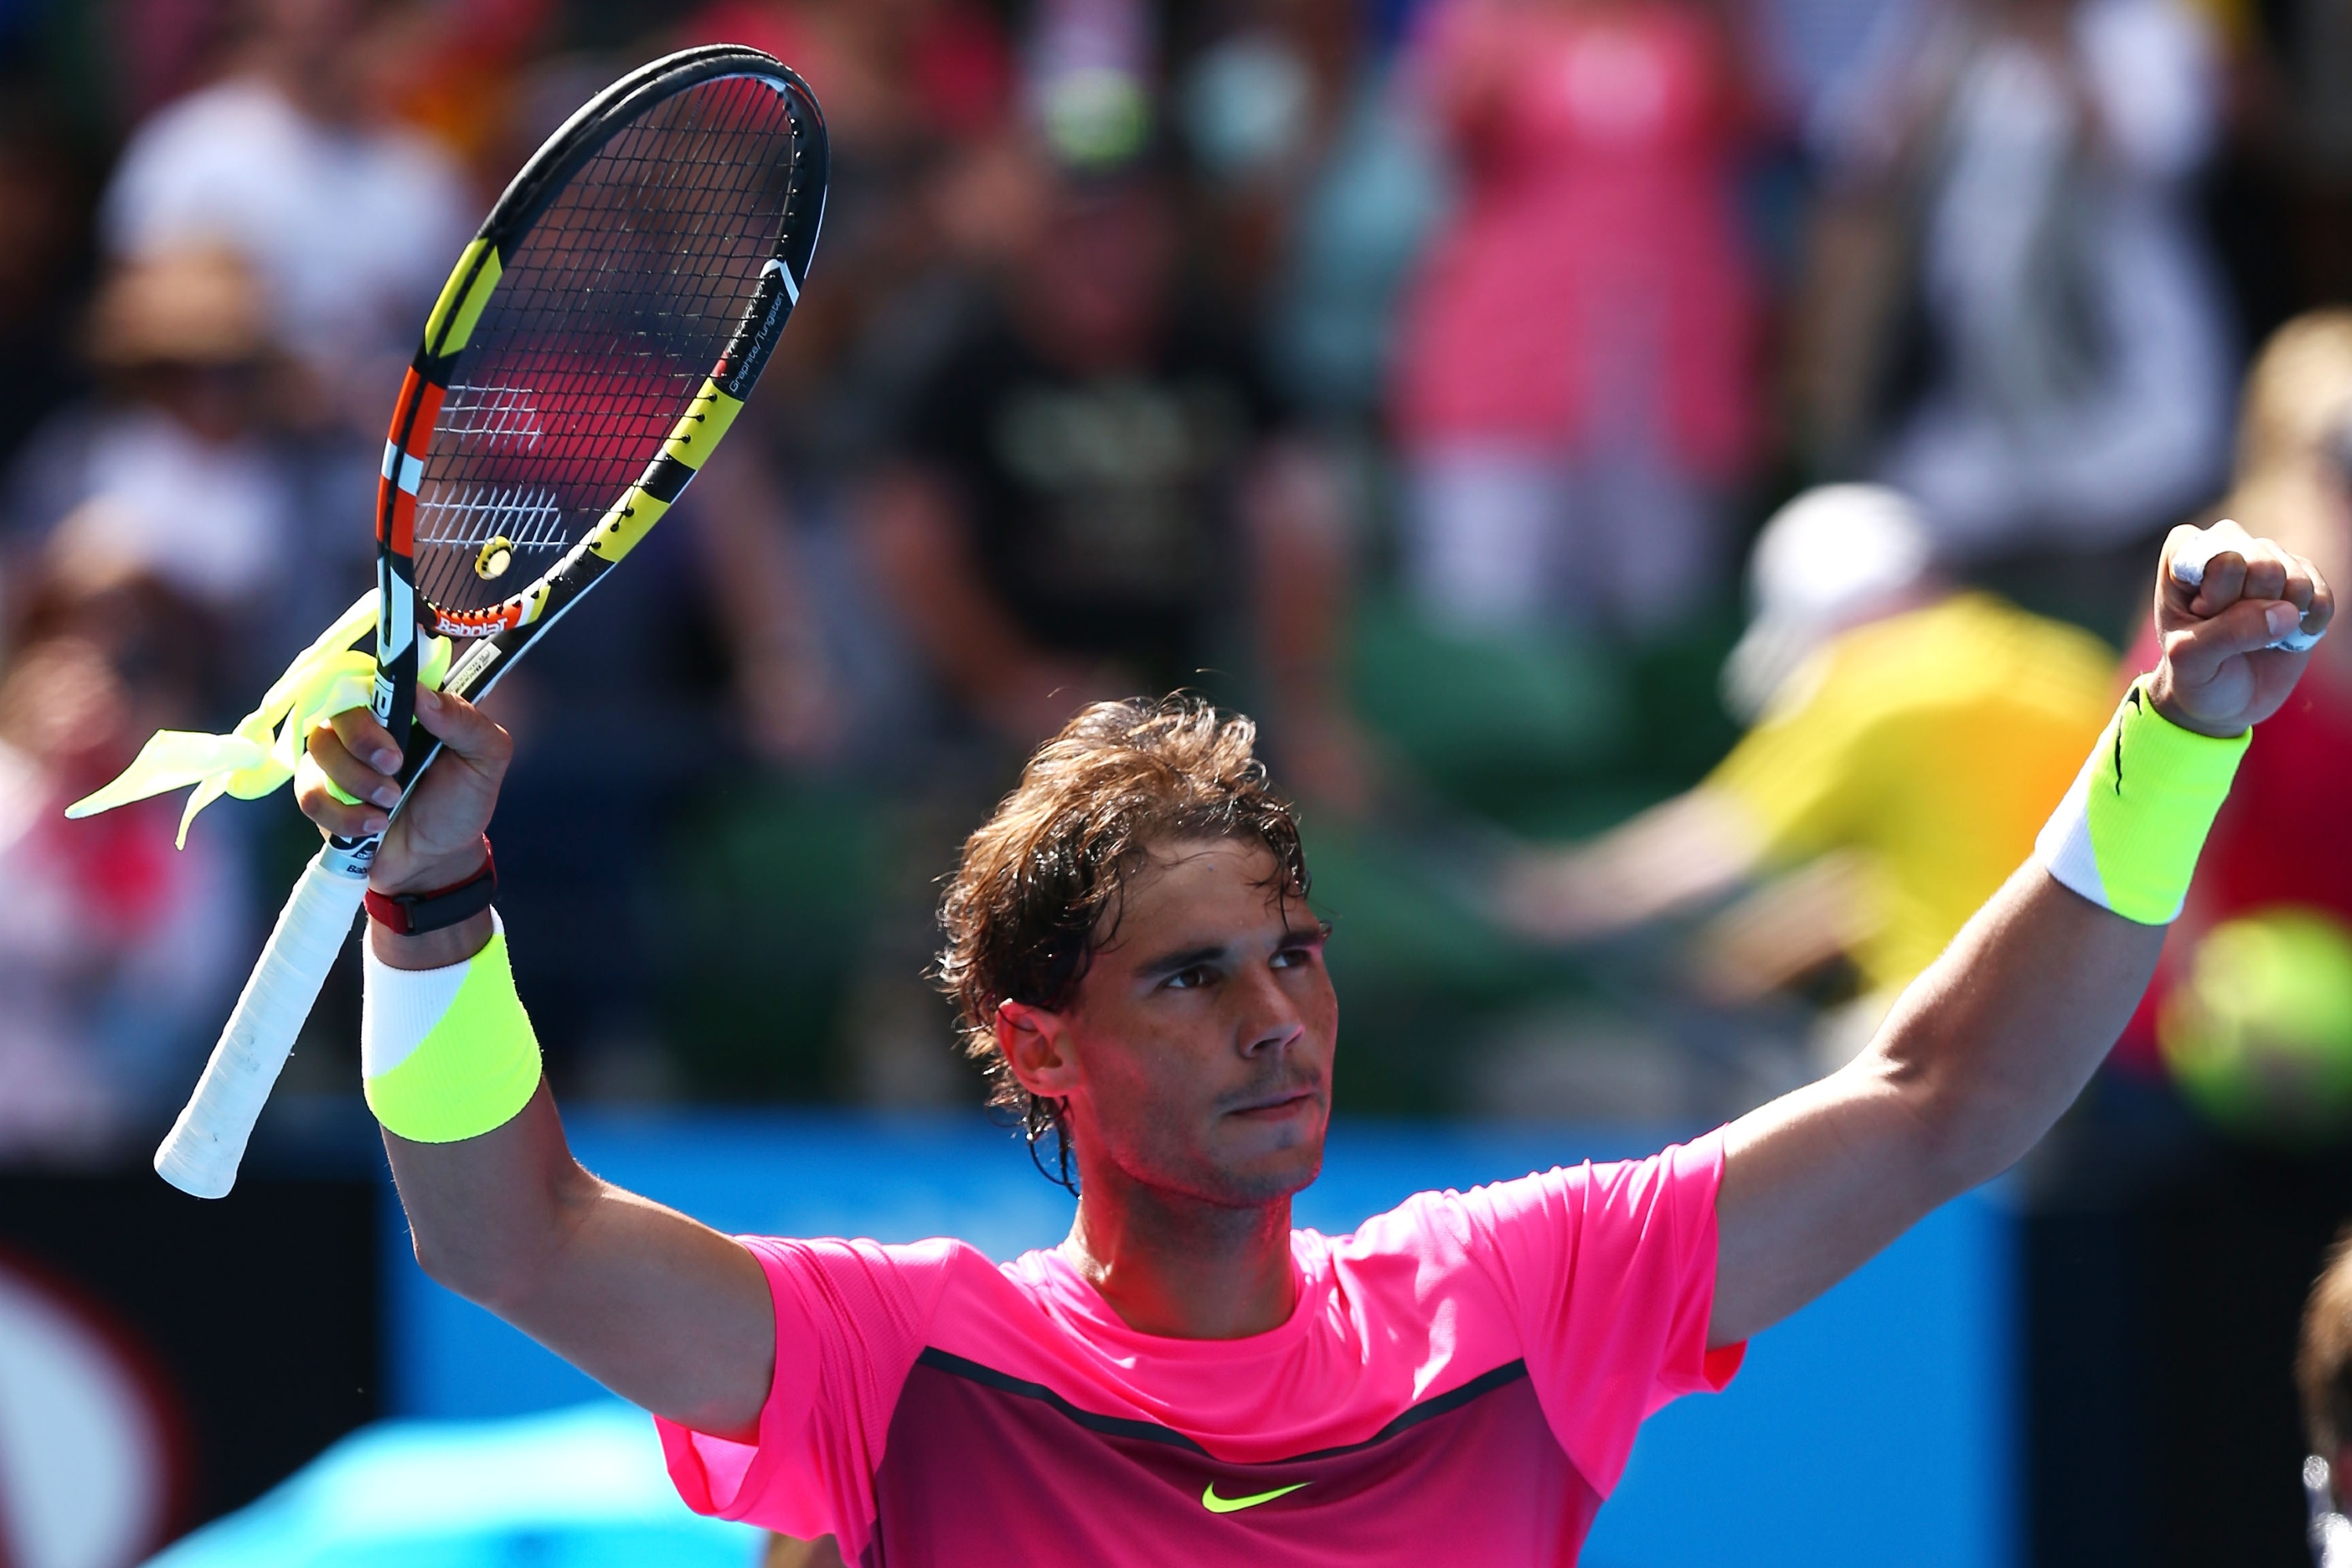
column 1878, row 1425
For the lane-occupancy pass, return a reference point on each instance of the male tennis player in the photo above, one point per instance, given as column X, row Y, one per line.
column 1187, row 1378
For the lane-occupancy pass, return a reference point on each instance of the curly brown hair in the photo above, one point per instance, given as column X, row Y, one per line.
column 2323, row 1362
column 1036, row 893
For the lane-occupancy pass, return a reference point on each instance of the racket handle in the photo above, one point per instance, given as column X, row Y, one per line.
column 201, row 1153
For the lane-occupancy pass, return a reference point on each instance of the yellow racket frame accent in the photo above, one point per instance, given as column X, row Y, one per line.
column 452, row 322
column 691, row 441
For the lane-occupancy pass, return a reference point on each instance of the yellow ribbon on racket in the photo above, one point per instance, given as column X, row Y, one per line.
column 328, row 678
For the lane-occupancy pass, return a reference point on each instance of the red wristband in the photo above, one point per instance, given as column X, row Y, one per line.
column 414, row 914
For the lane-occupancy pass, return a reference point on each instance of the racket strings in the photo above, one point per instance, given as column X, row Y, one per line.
column 614, row 308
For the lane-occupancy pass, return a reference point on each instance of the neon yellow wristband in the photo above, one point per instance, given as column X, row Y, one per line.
column 447, row 1054
column 2128, row 835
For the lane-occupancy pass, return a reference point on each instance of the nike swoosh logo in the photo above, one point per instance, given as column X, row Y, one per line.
column 2133, row 699
column 1216, row 1504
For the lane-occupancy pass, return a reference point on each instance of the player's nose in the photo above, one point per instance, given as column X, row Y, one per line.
column 1270, row 1019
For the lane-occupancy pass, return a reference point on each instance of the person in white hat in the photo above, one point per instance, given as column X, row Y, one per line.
column 1907, row 739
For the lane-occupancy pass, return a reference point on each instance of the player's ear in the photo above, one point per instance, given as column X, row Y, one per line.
column 1036, row 1043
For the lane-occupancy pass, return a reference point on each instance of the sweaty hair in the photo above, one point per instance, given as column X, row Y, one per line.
column 2323, row 1362
column 1038, row 892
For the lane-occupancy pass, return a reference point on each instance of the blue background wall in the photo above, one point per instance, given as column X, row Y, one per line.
column 1876, row 1425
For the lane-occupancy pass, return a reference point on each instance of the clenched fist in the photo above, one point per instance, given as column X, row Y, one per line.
column 2220, row 670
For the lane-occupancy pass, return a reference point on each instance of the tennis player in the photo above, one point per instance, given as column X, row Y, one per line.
column 1187, row 1378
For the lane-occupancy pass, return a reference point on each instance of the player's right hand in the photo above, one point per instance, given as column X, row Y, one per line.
column 438, row 838
column 2223, row 667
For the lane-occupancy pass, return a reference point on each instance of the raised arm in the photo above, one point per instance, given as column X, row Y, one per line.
column 1990, row 1045
column 663, row 1310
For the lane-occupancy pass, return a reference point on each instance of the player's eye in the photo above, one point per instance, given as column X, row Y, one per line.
column 1190, row 979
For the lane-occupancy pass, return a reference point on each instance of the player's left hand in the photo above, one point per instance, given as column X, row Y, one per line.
column 2220, row 671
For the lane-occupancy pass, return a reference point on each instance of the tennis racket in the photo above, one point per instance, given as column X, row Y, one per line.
column 593, row 344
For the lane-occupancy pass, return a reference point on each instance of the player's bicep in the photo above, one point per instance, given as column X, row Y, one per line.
column 669, row 1314
column 1814, row 1184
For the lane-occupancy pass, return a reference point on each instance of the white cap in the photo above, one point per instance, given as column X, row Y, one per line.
column 1836, row 556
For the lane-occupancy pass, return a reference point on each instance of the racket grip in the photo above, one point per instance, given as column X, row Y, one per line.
column 201, row 1153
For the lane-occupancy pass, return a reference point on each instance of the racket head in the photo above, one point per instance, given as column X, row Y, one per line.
column 591, row 348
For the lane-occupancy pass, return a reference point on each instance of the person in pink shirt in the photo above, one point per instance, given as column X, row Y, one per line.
column 1187, row 1378
column 1575, row 386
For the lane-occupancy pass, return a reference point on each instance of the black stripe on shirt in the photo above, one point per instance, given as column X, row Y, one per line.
column 1153, row 1432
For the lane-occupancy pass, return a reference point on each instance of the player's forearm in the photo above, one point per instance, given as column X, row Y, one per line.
column 1988, row 1046
column 489, row 1215
column 659, row 1308
column 1994, row 1042
column 1980, row 1057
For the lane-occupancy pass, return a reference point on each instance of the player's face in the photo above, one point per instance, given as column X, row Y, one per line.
column 1202, row 1035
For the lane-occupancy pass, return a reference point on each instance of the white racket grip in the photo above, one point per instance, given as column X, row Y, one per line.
column 201, row 1153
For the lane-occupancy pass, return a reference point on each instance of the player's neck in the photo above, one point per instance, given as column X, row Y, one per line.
column 1172, row 1265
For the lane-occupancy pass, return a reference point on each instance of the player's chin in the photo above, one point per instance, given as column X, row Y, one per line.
column 1276, row 1147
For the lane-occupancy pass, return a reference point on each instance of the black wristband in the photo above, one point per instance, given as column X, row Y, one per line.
column 414, row 914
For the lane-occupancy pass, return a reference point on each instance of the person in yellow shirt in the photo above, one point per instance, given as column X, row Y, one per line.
column 1908, row 740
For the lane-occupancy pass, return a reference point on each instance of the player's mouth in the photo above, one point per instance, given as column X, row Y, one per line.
column 1278, row 1106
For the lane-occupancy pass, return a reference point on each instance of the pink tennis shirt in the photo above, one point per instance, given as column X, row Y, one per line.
column 1460, row 1382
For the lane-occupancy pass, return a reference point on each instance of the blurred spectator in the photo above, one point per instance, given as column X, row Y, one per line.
column 1812, row 47
column 916, row 93
column 1909, row 741
column 1325, row 187
column 42, row 213
column 292, row 159
column 1092, row 497
column 2323, row 1374
column 1574, row 389
column 2013, row 317
column 158, row 49
column 2312, row 54
column 907, row 87
column 172, row 469
column 451, row 67
column 1088, row 77
column 2281, row 838
column 114, row 948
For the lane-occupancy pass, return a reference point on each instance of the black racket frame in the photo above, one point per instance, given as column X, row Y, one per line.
column 526, row 199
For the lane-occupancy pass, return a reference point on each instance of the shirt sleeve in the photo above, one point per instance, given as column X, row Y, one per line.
column 850, row 1321
column 1610, row 1270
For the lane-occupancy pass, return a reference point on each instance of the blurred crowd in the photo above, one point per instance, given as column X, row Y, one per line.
column 1675, row 481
